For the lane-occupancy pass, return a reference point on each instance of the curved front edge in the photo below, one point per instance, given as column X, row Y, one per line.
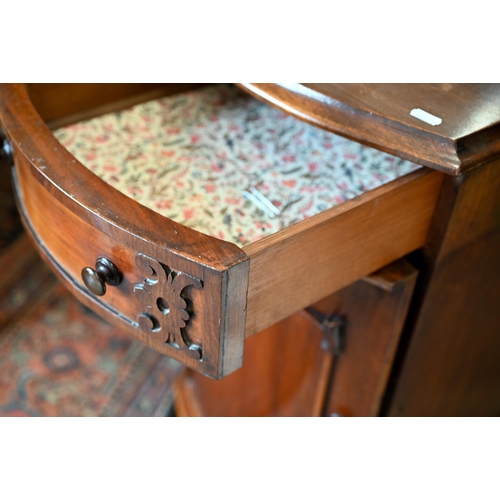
column 197, row 319
column 182, row 293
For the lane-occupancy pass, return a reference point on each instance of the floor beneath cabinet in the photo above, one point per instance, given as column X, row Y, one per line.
column 57, row 358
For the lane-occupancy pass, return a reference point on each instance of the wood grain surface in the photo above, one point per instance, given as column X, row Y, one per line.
column 78, row 217
column 60, row 104
column 312, row 259
column 75, row 217
column 217, row 310
column 287, row 371
column 451, row 366
column 379, row 115
column 376, row 310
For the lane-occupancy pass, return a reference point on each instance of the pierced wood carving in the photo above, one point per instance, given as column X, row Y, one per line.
column 167, row 309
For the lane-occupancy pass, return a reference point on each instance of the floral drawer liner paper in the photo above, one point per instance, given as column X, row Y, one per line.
column 194, row 157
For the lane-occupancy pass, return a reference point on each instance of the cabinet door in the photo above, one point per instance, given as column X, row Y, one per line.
column 297, row 367
column 375, row 309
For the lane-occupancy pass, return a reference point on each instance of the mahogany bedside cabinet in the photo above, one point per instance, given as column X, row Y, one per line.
column 305, row 249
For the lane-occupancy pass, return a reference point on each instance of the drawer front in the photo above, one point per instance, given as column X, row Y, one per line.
column 181, row 292
column 178, row 306
column 188, row 295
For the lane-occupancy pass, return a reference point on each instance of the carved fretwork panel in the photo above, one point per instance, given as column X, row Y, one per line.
column 166, row 309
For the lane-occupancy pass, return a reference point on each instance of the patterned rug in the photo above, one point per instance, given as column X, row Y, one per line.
column 57, row 358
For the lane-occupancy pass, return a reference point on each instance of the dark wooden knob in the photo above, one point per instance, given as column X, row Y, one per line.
column 105, row 272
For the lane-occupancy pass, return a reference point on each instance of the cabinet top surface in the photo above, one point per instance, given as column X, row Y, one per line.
column 450, row 127
column 464, row 108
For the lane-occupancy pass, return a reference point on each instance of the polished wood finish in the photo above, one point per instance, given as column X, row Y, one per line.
column 105, row 273
column 376, row 309
column 314, row 258
column 60, row 104
column 76, row 217
column 186, row 400
column 448, row 361
column 379, row 115
column 285, row 372
column 452, row 364
column 290, row 369
column 219, row 315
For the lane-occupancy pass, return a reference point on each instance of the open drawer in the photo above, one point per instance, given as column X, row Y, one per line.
column 187, row 294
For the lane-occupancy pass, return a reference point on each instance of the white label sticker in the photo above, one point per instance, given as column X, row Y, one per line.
column 420, row 114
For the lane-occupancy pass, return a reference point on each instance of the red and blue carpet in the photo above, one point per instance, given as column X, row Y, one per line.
column 58, row 358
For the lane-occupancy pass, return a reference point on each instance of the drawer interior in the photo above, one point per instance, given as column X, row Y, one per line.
column 219, row 161
column 377, row 215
